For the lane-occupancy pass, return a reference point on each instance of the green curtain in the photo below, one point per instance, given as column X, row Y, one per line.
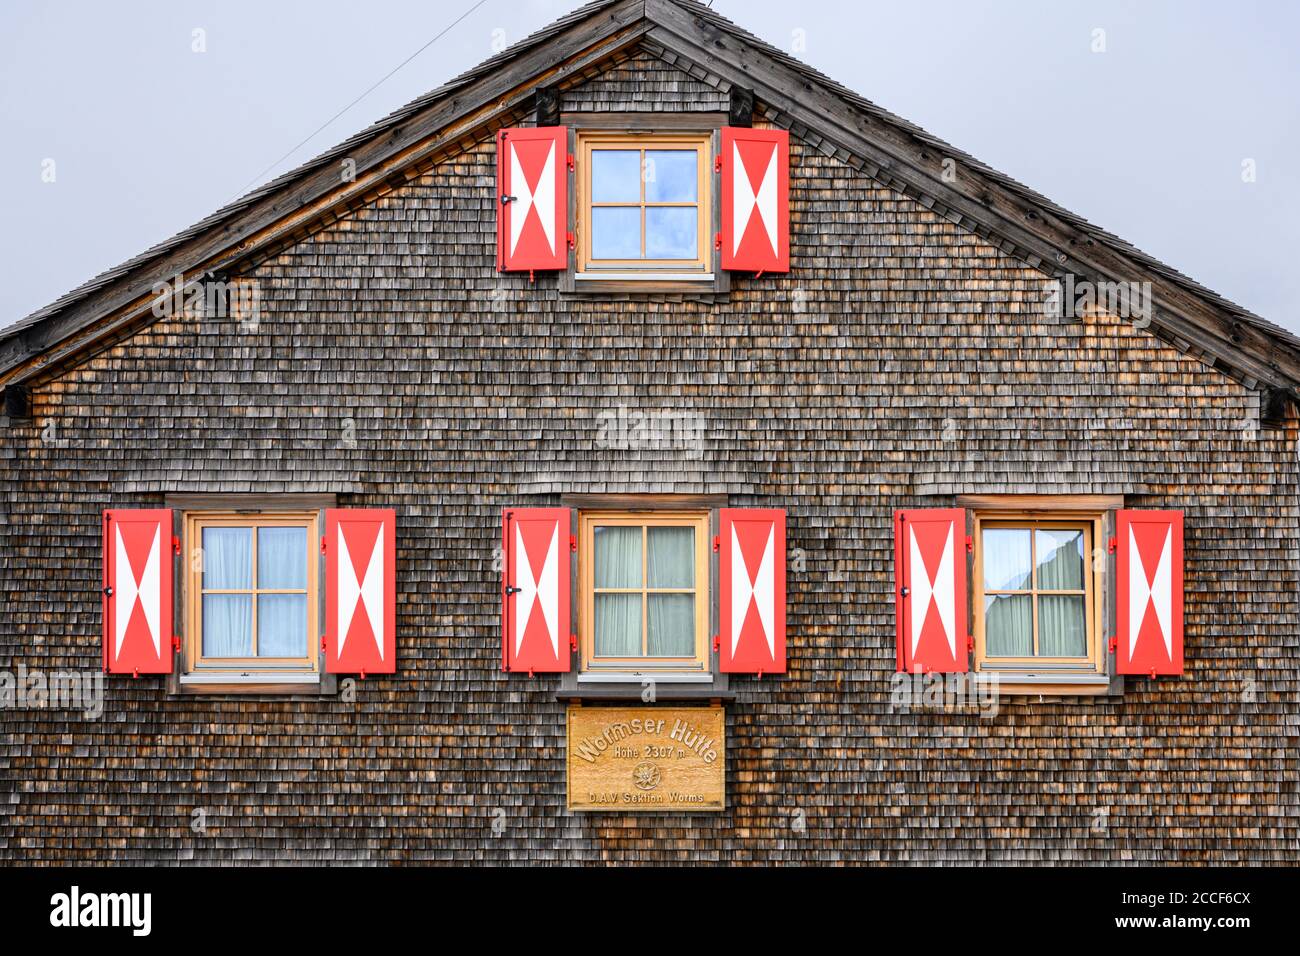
column 670, row 618
column 1062, row 624
column 618, row 616
column 1062, row 629
column 1008, row 625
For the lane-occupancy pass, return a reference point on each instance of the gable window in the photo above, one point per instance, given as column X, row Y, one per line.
column 1036, row 593
column 253, row 593
column 643, row 205
column 645, row 601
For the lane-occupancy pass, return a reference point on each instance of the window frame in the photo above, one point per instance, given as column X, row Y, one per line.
column 712, row 285
column 1093, row 523
column 701, row 662
column 194, row 660
column 588, row 141
column 183, row 682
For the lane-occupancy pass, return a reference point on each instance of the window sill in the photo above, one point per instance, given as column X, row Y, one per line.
column 285, row 684
column 637, row 677
column 1052, row 683
column 631, row 686
column 647, row 277
column 705, row 285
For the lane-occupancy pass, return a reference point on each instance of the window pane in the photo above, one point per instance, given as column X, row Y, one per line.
column 618, row 625
column 618, row 558
column 281, row 625
column 1008, row 628
column 615, row 232
column 1062, row 626
column 670, row 232
column 282, row 558
column 1006, row 559
column 615, row 175
column 671, row 625
column 671, row 175
column 1060, row 560
column 670, row 553
column 227, row 625
column 227, row 558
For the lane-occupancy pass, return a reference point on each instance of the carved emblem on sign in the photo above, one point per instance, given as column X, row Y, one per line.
column 646, row 776
column 646, row 758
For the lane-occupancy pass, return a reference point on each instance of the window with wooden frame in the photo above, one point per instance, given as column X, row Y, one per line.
column 1037, row 591
column 644, row 582
column 252, row 591
column 644, row 204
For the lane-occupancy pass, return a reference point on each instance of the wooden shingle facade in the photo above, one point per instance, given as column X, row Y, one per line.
column 904, row 362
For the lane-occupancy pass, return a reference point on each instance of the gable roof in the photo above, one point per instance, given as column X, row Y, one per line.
column 499, row 91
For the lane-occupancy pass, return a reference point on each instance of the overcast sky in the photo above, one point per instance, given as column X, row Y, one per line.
column 1180, row 134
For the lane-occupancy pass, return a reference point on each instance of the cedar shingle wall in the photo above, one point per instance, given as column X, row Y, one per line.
column 901, row 361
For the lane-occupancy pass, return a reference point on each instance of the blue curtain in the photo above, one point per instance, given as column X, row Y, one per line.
column 282, row 618
column 227, row 618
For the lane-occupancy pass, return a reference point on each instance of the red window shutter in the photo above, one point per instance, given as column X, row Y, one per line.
column 1149, row 592
column 755, row 199
column 137, row 591
column 535, row 623
column 930, row 590
column 532, row 198
column 360, row 591
column 751, row 577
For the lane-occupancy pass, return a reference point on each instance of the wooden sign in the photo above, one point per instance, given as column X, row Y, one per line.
column 647, row 758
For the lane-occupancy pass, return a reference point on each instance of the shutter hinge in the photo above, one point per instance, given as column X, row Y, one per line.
column 570, row 162
column 717, row 163
column 573, row 243
column 717, row 642
column 176, row 643
column 717, row 241
column 363, row 673
column 573, row 642
column 1113, row 644
column 1113, row 546
column 322, row 644
column 322, row 545
column 573, row 544
column 717, row 544
column 970, row 545
column 176, row 544
column 970, row 643
column 903, row 592
column 135, row 674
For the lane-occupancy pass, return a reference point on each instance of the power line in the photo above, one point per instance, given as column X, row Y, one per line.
column 258, row 178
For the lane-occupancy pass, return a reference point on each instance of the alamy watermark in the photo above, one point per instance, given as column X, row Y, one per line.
column 911, row 693
column 1072, row 298
column 665, row 429
column 57, row 690
column 211, row 297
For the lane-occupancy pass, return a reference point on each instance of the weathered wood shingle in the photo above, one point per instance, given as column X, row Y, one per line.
column 901, row 361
